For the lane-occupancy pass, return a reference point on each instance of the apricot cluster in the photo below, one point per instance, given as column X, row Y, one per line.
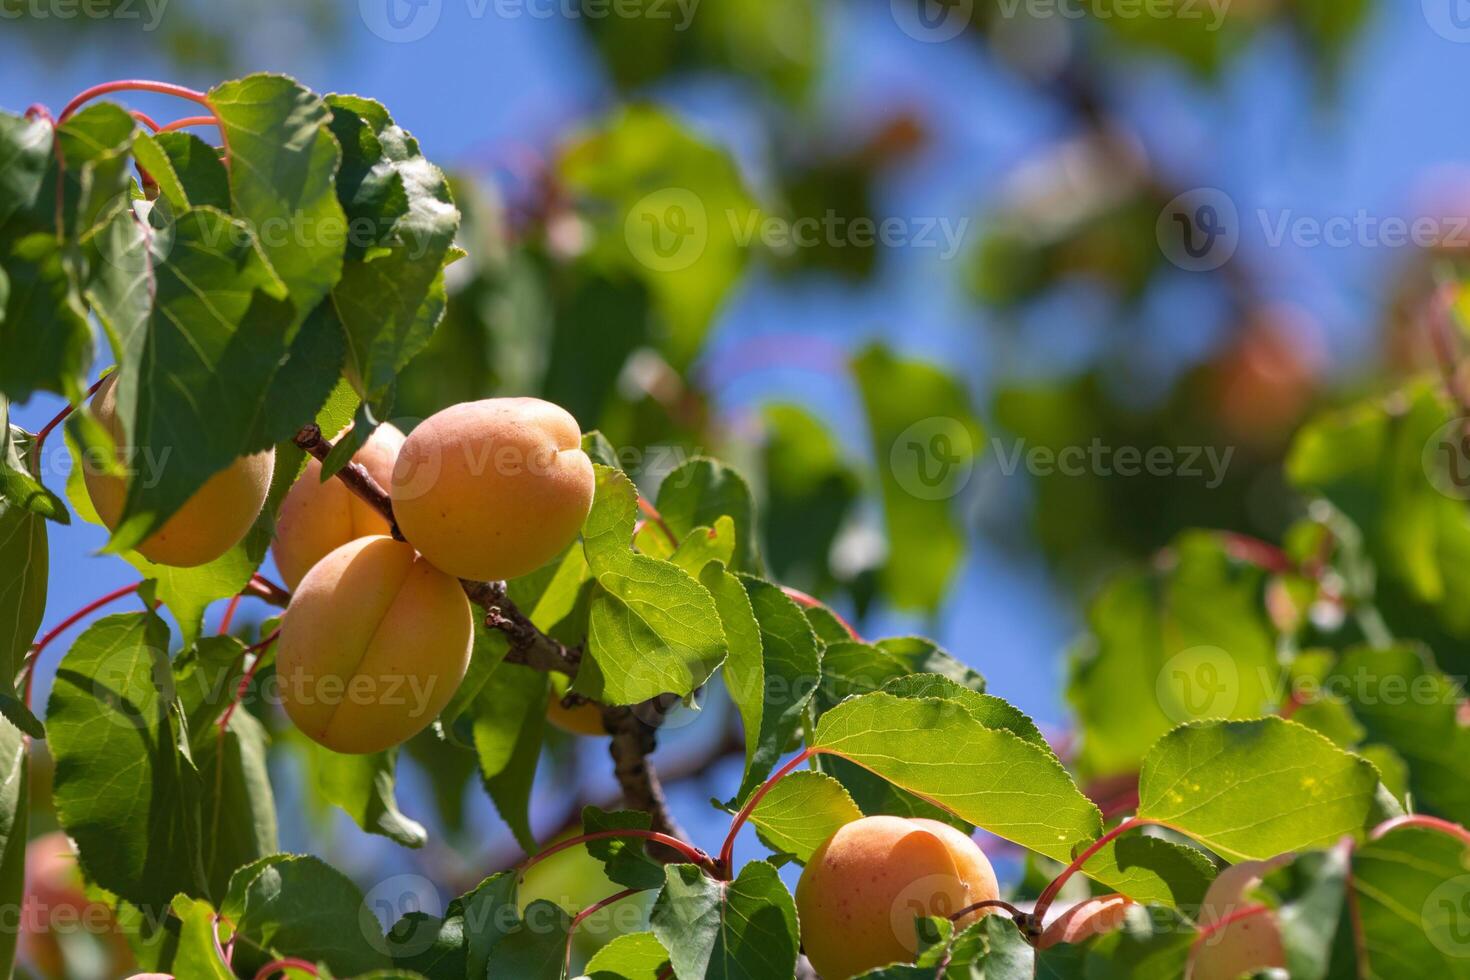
column 377, row 636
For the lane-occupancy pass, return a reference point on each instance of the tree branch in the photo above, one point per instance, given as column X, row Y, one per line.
column 633, row 741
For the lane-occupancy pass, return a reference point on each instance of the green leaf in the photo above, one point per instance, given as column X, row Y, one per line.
column 363, row 786
column 97, row 144
column 239, row 808
column 403, row 221
column 801, row 812
column 1403, row 702
column 509, row 723
column 722, row 931
column 667, row 209
column 19, row 487
column 1183, row 644
column 790, row 671
column 850, row 668
column 701, row 491
column 925, row 439
column 1392, row 467
column 25, row 556
column 1249, row 790
column 429, row 946
column 999, row 781
column 1152, row 944
column 652, row 628
column 188, row 171
column 113, row 711
column 991, row 947
column 43, row 325
column 810, row 488
column 283, row 161
column 1411, row 889
column 702, row 546
column 1312, row 909
column 489, row 911
column 635, row 956
column 25, row 157
column 15, row 802
column 744, row 672
column 623, row 859
column 296, row 905
column 535, row 948
column 196, row 955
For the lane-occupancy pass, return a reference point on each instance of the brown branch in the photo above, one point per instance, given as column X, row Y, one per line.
column 355, row 475
column 633, row 741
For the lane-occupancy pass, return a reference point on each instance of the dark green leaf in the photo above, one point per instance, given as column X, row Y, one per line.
column 363, row 786
column 742, row 929
column 623, row 858
column 126, row 790
column 509, row 719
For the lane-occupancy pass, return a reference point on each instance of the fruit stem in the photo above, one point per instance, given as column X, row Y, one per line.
column 284, row 964
column 810, row 602
column 188, row 121
column 727, row 852
column 694, row 854
column 245, row 678
column 651, row 512
column 62, row 415
column 46, row 639
column 144, row 85
column 991, row 903
column 145, row 119
column 1049, row 894
column 1424, row 822
column 267, row 591
column 229, row 616
column 587, row 913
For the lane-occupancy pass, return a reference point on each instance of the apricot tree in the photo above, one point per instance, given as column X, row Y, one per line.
column 1248, row 791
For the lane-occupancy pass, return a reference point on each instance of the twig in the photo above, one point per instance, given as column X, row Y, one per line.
column 633, row 742
column 355, row 475
column 267, row 591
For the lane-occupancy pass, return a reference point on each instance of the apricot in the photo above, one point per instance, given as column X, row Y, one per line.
column 493, row 489
column 1245, row 945
column 1086, row 919
column 57, row 915
column 584, row 719
column 318, row 517
column 210, row 523
column 862, row 890
column 373, row 645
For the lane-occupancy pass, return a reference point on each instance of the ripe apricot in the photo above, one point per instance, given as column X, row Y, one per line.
column 862, row 890
column 1245, row 945
column 1086, row 919
column 210, row 523
column 584, row 719
column 493, row 489
column 318, row 517
column 373, row 645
